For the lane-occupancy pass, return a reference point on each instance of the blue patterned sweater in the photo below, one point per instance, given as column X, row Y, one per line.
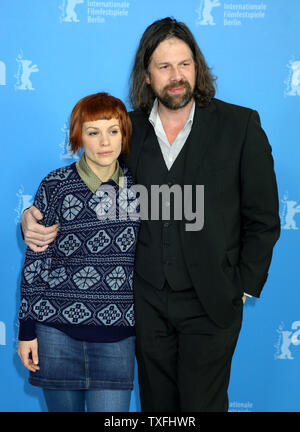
column 82, row 284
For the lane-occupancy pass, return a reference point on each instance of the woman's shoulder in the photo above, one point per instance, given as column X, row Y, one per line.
column 60, row 174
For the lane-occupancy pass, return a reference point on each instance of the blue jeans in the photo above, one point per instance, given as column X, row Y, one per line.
column 69, row 364
column 87, row 400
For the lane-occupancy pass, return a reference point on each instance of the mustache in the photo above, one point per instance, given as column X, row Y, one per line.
column 180, row 83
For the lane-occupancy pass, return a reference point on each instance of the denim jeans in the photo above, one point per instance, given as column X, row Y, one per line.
column 87, row 400
column 69, row 364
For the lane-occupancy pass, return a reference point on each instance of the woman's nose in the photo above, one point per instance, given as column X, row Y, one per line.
column 104, row 140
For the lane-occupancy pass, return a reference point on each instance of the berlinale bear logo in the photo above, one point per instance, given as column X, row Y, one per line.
column 286, row 338
column 288, row 213
column 68, row 13
column 2, row 73
column 25, row 201
column 204, row 12
column 2, row 333
column 293, row 81
column 25, row 69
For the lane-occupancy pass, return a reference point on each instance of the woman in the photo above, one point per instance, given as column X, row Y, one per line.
column 76, row 316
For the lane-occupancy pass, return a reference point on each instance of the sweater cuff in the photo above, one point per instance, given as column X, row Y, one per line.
column 21, row 224
column 27, row 330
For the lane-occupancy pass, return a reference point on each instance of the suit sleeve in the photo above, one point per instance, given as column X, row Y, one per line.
column 259, row 208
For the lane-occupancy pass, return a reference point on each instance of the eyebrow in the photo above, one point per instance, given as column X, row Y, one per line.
column 95, row 127
column 182, row 61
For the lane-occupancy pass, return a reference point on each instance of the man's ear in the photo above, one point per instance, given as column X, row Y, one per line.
column 147, row 78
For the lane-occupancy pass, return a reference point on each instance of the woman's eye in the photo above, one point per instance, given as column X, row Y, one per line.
column 92, row 133
column 114, row 131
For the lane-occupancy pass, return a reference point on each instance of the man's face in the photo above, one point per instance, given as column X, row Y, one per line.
column 172, row 73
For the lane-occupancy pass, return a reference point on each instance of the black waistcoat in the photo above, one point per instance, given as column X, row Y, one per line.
column 159, row 254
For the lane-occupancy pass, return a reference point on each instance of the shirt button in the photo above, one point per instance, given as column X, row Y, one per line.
column 166, row 224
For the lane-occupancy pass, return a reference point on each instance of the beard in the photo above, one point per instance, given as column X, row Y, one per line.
column 176, row 101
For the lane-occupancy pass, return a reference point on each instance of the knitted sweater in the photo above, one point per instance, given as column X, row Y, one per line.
column 82, row 284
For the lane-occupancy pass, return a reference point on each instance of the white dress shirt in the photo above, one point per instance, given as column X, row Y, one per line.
column 170, row 152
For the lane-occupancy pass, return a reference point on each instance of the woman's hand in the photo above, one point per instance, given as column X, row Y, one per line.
column 29, row 347
column 36, row 236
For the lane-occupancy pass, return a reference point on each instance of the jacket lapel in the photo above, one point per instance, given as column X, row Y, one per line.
column 200, row 138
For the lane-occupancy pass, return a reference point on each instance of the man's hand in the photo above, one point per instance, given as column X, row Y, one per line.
column 36, row 236
column 29, row 347
column 244, row 298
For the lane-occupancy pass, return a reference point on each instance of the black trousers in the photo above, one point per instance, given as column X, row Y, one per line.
column 183, row 357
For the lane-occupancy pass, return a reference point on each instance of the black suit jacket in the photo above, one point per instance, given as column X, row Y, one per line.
column 230, row 155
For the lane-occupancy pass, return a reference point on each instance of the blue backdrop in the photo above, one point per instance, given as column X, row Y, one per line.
column 53, row 52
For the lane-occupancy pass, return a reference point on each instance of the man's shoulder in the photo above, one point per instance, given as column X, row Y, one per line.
column 140, row 126
column 232, row 114
column 228, row 107
column 138, row 116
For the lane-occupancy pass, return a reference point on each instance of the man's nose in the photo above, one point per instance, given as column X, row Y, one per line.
column 176, row 74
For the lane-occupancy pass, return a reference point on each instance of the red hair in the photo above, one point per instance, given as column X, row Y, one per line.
column 99, row 106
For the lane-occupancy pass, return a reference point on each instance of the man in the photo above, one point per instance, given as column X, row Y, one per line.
column 189, row 284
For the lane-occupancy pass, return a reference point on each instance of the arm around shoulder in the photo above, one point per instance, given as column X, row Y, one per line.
column 36, row 236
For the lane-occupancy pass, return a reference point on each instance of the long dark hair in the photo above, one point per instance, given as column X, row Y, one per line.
column 141, row 94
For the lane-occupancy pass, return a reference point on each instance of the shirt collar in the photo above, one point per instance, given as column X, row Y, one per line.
column 154, row 116
column 92, row 180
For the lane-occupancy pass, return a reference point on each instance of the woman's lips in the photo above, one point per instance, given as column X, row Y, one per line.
column 108, row 153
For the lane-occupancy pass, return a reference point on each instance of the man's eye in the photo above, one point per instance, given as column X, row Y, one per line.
column 164, row 67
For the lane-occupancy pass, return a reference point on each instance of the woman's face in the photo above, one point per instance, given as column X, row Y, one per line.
column 102, row 142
